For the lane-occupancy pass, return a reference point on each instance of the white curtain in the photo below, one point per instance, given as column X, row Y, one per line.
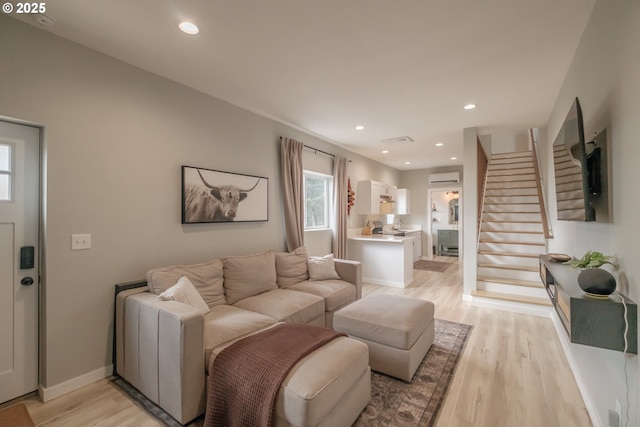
column 340, row 200
column 293, row 191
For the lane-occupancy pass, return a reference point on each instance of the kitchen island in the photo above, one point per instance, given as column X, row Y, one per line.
column 386, row 259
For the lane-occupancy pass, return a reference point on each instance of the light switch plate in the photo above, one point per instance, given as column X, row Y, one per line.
column 80, row 241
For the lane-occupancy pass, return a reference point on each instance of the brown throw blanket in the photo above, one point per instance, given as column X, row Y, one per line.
column 247, row 375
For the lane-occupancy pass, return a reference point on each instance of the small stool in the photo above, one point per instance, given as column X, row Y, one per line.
column 398, row 331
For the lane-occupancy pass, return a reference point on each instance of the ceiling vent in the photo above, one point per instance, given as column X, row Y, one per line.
column 398, row 140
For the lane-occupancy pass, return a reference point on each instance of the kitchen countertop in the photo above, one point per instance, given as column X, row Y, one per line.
column 382, row 238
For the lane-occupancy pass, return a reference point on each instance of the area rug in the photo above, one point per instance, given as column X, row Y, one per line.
column 393, row 402
column 398, row 403
column 16, row 416
column 438, row 266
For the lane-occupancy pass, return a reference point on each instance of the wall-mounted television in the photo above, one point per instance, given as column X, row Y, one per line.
column 581, row 173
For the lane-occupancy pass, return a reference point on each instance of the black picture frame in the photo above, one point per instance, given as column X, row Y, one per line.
column 210, row 195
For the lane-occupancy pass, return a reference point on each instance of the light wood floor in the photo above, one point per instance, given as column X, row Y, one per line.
column 513, row 372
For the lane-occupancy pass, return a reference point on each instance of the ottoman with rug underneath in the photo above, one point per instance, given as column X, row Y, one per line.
column 398, row 331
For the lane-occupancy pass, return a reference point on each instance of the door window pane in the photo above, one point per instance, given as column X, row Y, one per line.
column 5, row 158
column 4, row 188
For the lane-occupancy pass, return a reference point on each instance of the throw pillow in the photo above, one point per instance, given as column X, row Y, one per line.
column 186, row 293
column 249, row 275
column 291, row 268
column 322, row 268
column 207, row 277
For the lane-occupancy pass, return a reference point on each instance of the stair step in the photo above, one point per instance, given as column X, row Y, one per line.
column 510, row 172
column 528, row 163
column 513, row 232
column 511, row 155
column 511, row 297
column 509, row 267
column 515, row 282
column 511, row 212
column 512, row 178
column 516, row 254
column 505, row 242
column 512, row 222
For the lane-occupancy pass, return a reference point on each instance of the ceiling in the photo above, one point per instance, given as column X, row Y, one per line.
column 396, row 67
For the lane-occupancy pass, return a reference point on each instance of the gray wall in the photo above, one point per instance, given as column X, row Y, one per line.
column 605, row 76
column 115, row 139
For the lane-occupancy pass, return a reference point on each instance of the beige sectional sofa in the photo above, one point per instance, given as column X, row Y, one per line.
column 166, row 341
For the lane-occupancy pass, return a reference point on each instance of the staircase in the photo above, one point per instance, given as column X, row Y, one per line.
column 511, row 235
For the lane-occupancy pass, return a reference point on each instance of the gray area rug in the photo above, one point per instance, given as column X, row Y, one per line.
column 398, row 403
column 393, row 402
column 438, row 266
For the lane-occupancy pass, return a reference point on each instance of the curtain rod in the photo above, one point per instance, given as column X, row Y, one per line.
column 319, row 151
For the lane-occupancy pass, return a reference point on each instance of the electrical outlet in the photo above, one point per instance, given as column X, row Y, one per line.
column 614, row 416
column 80, row 241
column 614, row 419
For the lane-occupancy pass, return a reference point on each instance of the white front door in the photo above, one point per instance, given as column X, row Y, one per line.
column 19, row 223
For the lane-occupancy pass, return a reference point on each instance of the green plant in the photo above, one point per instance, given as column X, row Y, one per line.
column 591, row 259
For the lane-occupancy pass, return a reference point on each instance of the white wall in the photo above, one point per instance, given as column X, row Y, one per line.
column 506, row 141
column 115, row 138
column 605, row 76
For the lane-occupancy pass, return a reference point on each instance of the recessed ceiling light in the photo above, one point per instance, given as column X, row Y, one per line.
column 188, row 27
column 439, row 144
column 453, row 158
column 359, row 127
column 385, row 151
column 470, row 106
column 407, row 163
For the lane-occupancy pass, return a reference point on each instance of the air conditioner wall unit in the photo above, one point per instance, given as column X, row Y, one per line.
column 444, row 178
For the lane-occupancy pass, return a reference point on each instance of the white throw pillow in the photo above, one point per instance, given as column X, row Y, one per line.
column 184, row 291
column 322, row 268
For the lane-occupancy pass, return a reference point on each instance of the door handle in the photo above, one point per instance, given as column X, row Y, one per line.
column 27, row 281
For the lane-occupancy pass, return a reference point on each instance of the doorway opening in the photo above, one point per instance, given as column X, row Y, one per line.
column 444, row 231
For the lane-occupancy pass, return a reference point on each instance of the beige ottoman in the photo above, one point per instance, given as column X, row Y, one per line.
column 398, row 331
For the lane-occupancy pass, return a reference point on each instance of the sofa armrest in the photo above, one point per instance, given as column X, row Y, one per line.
column 163, row 353
column 350, row 271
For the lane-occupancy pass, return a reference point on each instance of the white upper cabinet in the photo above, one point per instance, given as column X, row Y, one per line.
column 369, row 196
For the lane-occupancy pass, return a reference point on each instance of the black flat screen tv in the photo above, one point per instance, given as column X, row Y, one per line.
column 580, row 171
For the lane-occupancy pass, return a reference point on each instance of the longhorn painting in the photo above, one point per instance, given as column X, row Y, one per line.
column 215, row 196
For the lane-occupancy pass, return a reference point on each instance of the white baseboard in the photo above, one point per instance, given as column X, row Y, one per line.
column 50, row 393
column 566, row 346
column 511, row 306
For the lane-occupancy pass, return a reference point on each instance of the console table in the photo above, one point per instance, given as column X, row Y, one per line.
column 590, row 321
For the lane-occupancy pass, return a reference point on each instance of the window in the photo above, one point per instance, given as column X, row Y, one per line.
column 5, row 172
column 317, row 196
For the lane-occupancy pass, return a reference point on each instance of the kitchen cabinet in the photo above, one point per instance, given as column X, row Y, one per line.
column 386, row 260
column 417, row 243
column 370, row 193
column 448, row 242
column 403, row 201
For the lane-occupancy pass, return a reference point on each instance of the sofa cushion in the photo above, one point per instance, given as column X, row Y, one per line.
column 186, row 293
column 285, row 305
column 207, row 277
column 291, row 268
column 249, row 275
column 225, row 324
column 336, row 293
column 322, row 268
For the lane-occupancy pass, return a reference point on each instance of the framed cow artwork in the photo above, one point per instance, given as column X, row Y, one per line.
column 215, row 196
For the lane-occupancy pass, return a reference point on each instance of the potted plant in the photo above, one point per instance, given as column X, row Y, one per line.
column 593, row 280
